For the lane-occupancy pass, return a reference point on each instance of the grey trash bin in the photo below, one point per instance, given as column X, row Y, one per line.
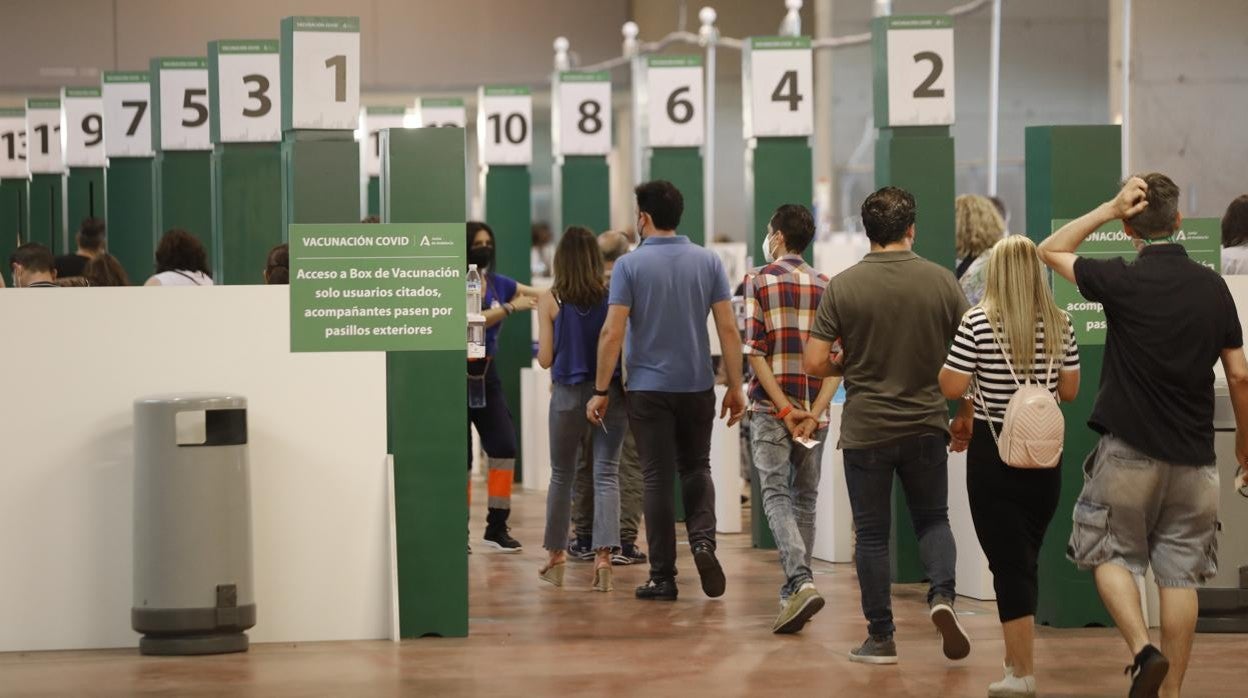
column 192, row 525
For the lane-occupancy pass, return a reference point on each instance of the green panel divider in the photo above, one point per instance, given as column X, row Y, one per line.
column 185, row 186
column 778, row 171
column 424, row 182
column 1070, row 170
column 14, row 221
column 86, row 197
column 586, row 194
column 683, row 167
column 247, row 209
column 132, row 218
column 320, row 180
column 508, row 210
column 47, row 211
column 374, row 196
column 919, row 160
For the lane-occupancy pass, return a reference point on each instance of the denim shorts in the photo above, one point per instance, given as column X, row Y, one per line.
column 1135, row 510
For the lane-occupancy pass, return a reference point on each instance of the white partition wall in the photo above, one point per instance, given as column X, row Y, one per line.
column 75, row 360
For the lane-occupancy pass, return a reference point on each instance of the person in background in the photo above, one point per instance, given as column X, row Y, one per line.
column 661, row 294
column 181, row 260
column 1150, row 492
column 788, row 405
column 613, row 244
column 978, row 228
column 570, row 318
column 90, row 240
column 999, row 204
column 1011, row 507
column 542, row 241
column 370, row 219
column 500, row 298
column 277, row 265
column 1235, row 237
column 105, row 270
column 895, row 422
column 32, row 266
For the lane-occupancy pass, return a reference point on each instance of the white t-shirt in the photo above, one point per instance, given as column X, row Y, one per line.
column 1235, row 260
column 183, row 278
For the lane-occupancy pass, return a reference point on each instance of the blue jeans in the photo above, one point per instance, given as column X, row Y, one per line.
column 921, row 462
column 788, row 477
column 568, row 426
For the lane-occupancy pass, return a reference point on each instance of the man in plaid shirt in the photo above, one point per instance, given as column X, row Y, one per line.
column 789, row 423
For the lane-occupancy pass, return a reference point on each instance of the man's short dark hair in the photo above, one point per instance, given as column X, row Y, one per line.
column 888, row 214
column 32, row 257
column 662, row 201
column 1157, row 219
column 795, row 224
column 91, row 234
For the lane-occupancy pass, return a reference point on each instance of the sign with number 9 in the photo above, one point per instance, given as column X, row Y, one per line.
column 82, row 126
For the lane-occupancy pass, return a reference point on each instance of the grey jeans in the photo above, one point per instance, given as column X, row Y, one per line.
column 631, row 489
column 568, row 426
column 788, row 477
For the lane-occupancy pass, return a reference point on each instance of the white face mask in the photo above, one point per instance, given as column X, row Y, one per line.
column 768, row 245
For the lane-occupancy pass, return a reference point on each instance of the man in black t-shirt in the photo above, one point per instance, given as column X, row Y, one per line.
column 90, row 245
column 1150, row 496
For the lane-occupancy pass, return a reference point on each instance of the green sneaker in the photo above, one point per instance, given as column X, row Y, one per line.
column 798, row 610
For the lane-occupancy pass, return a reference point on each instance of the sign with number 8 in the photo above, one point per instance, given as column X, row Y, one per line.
column 244, row 89
column 582, row 123
column 320, row 73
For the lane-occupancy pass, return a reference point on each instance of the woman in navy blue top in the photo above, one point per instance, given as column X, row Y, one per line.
column 570, row 317
column 500, row 297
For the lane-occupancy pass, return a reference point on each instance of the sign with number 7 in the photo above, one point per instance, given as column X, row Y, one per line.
column 127, row 116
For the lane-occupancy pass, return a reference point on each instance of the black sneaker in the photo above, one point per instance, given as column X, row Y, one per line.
column 712, row 574
column 629, row 554
column 501, row 539
column 957, row 644
column 581, row 549
column 1147, row 673
column 657, row 589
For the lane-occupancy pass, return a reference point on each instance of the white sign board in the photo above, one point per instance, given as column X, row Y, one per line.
column 505, row 125
column 376, row 120
column 321, row 58
column 127, row 115
column 247, row 96
column 436, row 112
column 778, row 94
column 584, row 114
column 43, row 136
column 919, row 55
column 183, row 105
column 675, row 88
column 13, row 144
column 82, row 127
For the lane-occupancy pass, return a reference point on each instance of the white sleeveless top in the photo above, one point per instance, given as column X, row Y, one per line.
column 183, row 278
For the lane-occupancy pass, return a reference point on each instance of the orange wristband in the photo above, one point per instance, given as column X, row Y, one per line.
column 784, row 412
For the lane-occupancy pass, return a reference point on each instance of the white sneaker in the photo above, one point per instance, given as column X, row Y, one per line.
column 1013, row 686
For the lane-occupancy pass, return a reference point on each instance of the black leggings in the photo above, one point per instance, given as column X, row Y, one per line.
column 1011, row 508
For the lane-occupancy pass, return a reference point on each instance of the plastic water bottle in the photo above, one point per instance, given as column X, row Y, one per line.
column 476, row 321
column 474, row 290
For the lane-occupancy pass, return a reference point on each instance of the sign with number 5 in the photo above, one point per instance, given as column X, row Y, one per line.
column 180, row 96
column 913, row 70
column 674, row 87
column 321, row 73
column 582, row 124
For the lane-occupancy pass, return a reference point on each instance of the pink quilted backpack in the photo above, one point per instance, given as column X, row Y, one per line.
column 1034, row 428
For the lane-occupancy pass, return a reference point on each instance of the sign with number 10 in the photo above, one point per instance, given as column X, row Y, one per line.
column 127, row 115
column 320, row 73
column 504, row 125
column 584, row 116
column 82, row 126
column 913, row 70
column 778, row 95
column 244, row 86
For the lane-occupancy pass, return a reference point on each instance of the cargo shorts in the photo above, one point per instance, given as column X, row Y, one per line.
column 1135, row 510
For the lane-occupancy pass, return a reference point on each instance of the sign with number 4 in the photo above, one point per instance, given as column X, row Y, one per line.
column 779, row 100
column 916, row 89
column 583, row 120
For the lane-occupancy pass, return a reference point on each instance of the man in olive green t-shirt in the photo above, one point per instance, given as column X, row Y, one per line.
column 895, row 314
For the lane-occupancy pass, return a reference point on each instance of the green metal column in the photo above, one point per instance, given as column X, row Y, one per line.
column 320, row 180
column 1070, row 170
column 247, row 209
column 374, row 196
column 508, row 210
column 132, row 231
column 683, row 167
column 423, row 181
column 14, row 221
column 184, row 170
column 46, row 161
column 586, row 192
column 86, row 196
column 47, row 212
column 777, row 171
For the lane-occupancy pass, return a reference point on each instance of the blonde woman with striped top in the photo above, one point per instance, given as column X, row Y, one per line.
column 1011, row 507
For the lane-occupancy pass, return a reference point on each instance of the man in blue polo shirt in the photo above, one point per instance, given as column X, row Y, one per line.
column 662, row 294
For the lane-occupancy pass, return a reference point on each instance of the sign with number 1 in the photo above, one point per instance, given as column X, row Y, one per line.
column 913, row 70
column 674, row 86
column 82, row 126
column 376, row 120
column 181, row 100
column 43, row 129
column 245, row 92
column 505, row 125
column 778, row 94
column 13, row 143
column 127, row 115
column 583, row 121
column 320, row 73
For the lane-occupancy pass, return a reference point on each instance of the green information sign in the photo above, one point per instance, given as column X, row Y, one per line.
column 370, row 287
column 1201, row 237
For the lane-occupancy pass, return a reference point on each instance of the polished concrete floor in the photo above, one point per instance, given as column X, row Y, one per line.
column 530, row 639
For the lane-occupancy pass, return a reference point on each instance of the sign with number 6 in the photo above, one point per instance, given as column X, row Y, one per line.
column 582, row 123
column 913, row 70
column 675, row 90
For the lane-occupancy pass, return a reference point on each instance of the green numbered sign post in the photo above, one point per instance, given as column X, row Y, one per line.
column 581, row 135
column 505, row 148
column 1070, row 171
column 677, row 131
column 245, row 119
column 14, row 185
column 46, row 161
column 183, row 143
column 423, row 189
column 82, row 126
column 375, row 120
column 132, row 190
